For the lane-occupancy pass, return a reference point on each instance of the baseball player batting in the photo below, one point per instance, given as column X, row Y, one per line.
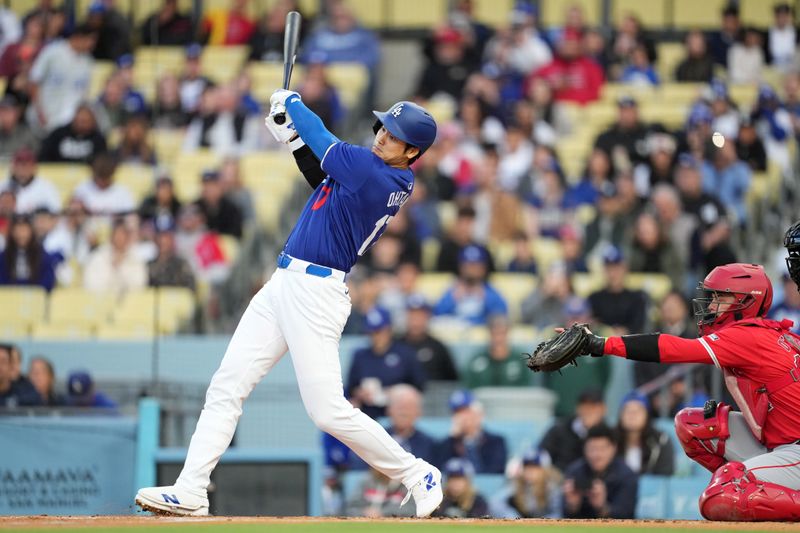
column 305, row 304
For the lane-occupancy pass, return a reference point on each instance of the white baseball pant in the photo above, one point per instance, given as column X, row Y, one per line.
column 305, row 314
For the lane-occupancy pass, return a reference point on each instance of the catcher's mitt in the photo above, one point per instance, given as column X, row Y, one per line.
column 564, row 348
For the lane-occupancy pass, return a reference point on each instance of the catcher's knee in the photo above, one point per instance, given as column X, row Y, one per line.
column 702, row 433
column 735, row 494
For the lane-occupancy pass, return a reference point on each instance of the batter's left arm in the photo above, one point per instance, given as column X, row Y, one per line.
column 310, row 127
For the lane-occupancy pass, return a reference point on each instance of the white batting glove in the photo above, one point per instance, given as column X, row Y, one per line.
column 281, row 96
column 283, row 133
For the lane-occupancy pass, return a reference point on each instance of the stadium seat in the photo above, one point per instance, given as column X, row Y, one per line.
column 369, row 13
column 672, row 116
column 254, row 9
column 687, row 14
column 79, row 307
column 434, row 284
column 492, row 12
column 350, row 80
column 546, row 252
column 652, row 13
column 62, row 332
column 669, row 56
column 430, row 253
column 14, row 330
column 514, row 288
column 65, row 176
column 759, row 12
column 230, row 247
column 21, row 7
column 441, row 109
column 274, row 171
column 679, row 93
column 175, row 305
column 152, row 62
column 138, row 179
column 599, row 115
column 145, row 8
column 188, row 170
column 167, row 144
column 223, row 63
column 743, row 95
column 416, row 14
column 125, row 331
column 655, row 285
column 101, row 71
column 683, row 495
column 611, row 92
column 532, row 404
column 553, row 11
column 266, row 77
column 652, row 500
column 585, row 283
column 22, row 304
column 521, row 335
column 268, row 210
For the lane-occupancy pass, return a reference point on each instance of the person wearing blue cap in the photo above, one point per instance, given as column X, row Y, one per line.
column 469, row 440
column 113, row 30
column 461, row 497
column 472, row 299
column 384, row 363
column 644, row 449
column 221, row 214
column 616, row 306
column 81, row 392
column 774, row 125
column 433, row 355
column 193, row 83
column 534, row 490
column 728, row 178
column 167, row 27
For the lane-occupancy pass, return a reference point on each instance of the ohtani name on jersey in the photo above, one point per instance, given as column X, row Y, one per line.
column 397, row 199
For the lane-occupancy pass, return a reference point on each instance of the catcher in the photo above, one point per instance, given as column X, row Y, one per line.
column 755, row 453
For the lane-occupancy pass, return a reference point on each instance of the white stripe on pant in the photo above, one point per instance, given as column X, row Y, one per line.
column 305, row 314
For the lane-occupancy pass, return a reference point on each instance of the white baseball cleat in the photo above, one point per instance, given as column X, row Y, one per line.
column 427, row 493
column 171, row 501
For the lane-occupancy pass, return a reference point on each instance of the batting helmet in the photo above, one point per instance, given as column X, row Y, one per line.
column 748, row 283
column 792, row 243
column 408, row 122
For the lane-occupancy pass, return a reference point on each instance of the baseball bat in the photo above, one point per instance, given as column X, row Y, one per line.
column 290, row 38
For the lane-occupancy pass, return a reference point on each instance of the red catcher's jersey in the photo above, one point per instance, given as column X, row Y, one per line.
column 755, row 350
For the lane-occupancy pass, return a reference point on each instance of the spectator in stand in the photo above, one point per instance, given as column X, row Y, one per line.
column 193, row 84
column 320, row 95
column 114, row 268
column 710, row 243
column 728, row 179
column 432, row 354
column 378, row 497
column 112, row 28
column 19, row 55
column 597, row 49
column 628, row 134
column 774, row 126
column 10, row 28
column 101, row 195
column 599, row 485
column 14, row 133
column 523, row 261
column 43, row 379
column 782, row 38
column 24, row 260
column 225, row 128
column 652, row 251
column 162, row 205
column 791, row 94
column 220, row 213
column 446, row 73
column 404, row 407
column 14, row 393
column 461, row 497
column 612, row 223
column 472, row 300
column 598, row 172
column 461, row 236
column 549, row 207
column 201, row 247
column 383, row 364
column 167, row 27
column 77, row 142
column 573, row 76
column 677, row 224
column 519, row 48
column 730, row 32
column 644, row 449
column 72, row 238
column 629, row 38
column 543, row 307
column 660, row 165
column 266, row 42
column 498, row 214
column 746, row 59
column 574, row 23
column 572, row 249
column 498, row 366
column 230, row 27
column 534, row 490
column 726, row 115
column 698, row 65
column 235, row 190
column 564, row 441
column 60, row 79
column 623, row 310
column 168, row 110
column 31, row 191
column 640, row 72
column 695, row 139
column 789, row 307
column 134, row 147
column 8, row 204
column 469, row 440
column 169, row 269
column 749, row 147
column 81, row 392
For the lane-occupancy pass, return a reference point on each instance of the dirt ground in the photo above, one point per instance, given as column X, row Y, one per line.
column 116, row 521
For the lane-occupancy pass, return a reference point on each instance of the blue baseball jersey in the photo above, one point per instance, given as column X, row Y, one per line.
column 350, row 209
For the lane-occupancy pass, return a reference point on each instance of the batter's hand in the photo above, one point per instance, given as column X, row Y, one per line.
column 283, row 133
column 281, row 96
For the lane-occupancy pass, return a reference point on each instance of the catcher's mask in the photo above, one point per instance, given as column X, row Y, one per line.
column 792, row 243
column 748, row 284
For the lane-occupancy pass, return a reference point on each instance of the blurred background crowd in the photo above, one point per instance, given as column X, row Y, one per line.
column 574, row 178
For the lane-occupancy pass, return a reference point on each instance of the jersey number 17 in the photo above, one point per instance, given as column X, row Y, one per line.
column 380, row 227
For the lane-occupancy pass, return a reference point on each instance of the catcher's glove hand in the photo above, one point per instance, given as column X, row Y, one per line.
column 564, row 348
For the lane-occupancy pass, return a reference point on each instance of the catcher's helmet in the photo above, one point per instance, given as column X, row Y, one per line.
column 792, row 243
column 408, row 122
column 748, row 283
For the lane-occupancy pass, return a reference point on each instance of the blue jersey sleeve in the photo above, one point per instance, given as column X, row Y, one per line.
column 351, row 166
column 310, row 127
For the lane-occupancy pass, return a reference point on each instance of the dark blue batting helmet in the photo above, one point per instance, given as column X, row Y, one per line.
column 408, row 122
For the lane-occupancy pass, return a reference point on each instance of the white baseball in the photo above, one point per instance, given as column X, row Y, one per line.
column 718, row 139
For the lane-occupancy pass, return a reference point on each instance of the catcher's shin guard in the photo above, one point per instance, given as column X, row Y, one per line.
column 703, row 433
column 735, row 494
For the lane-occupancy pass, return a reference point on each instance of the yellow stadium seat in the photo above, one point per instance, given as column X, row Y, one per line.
column 101, row 71
column 434, row 284
column 672, row 116
column 514, row 288
column 476, row 335
column 187, row 171
column 138, row 179
column 124, row 331
column 175, row 305
column 167, row 144
column 65, row 176
column 652, row 13
column 655, row 285
column 22, row 306
column 546, row 252
column 689, row 14
column 145, row 8
column 586, row 283
column 743, row 95
column 369, row 13
column 669, row 56
column 230, row 247
column 417, row 13
column 611, row 92
column 223, row 63
column 759, row 12
column 125, row 7
column 492, row 12
column 523, row 335
column 448, row 213
column 554, row 11
column 447, row 331
column 263, row 170
column 267, row 76
column 502, row 252
column 430, row 253
column 76, row 306
column 350, row 80
column 61, row 332
column 441, row 109
column 14, row 330
column 254, row 8
column 3, row 82
column 22, row 7
column 600, row 114
column 268, row 211
column 153, row 62
column 679, row 93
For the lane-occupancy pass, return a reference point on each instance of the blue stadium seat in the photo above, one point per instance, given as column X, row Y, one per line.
column 653, row 495
column 683, row 495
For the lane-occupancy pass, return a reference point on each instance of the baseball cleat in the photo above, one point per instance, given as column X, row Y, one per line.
column 171, row 501
column 427, row 493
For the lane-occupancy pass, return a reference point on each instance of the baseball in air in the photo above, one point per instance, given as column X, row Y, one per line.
column 718, row 139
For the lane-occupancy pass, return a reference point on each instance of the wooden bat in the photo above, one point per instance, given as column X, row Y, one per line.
column 290, row 38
